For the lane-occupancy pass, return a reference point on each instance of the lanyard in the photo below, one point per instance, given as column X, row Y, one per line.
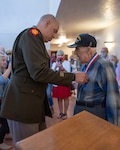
column 91, row 62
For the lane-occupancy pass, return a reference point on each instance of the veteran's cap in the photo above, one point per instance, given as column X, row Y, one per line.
column 84, row 40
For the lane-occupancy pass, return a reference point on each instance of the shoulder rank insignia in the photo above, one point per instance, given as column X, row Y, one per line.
column 34, row 31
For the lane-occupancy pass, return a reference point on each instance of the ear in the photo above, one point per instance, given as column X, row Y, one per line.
column 47, row 22
column 89, row 49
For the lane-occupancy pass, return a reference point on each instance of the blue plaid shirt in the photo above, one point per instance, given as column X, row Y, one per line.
column 102, row 86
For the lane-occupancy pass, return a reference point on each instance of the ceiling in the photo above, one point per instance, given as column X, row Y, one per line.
column 75, row 16
column 85, row 16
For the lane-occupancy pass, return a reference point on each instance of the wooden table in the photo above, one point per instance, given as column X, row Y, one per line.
column 83, row 131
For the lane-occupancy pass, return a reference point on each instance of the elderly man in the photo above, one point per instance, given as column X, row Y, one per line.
column 104, row 52
column 100, row 95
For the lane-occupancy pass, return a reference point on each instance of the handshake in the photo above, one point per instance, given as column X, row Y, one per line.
column 81, row 77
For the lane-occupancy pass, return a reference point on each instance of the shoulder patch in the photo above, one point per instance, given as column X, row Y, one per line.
column 34, row 31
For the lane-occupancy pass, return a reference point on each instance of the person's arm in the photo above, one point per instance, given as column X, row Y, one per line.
column 66, row 66
column 7, row 72
column 54, row 66
column 33, row 50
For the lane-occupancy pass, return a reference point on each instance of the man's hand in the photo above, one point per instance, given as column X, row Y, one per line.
column 81, row 77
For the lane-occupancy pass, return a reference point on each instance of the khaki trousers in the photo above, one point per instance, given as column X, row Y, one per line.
column 20, row 131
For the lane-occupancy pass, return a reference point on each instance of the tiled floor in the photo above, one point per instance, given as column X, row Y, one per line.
column 52, row 121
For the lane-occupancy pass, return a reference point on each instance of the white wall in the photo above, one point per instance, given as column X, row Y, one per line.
column 16, row 15
column 111, row 33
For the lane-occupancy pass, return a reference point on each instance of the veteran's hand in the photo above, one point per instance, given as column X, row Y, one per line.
column 81, row 77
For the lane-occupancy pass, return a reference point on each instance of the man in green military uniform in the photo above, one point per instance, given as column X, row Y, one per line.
column 25, row 102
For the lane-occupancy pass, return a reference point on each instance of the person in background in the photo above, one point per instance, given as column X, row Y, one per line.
column 50, row 99
column 25, row 102
column 4, row 73
column 100, row 95
column 9, row 54
column 104, row 52
column 53, row 57
column 49, row 88
column 62, row 93
column 116, row 63
column 114, row 60
column 72, row 64
column 2, row 50
column 9, row 57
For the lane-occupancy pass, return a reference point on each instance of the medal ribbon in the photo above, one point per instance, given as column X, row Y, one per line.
column 91, row 62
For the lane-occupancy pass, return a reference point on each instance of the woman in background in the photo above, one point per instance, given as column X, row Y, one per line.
column 4, row 74
column 62, row 93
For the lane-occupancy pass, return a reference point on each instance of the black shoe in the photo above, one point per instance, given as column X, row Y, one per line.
column 60, row 116
column 64, row 116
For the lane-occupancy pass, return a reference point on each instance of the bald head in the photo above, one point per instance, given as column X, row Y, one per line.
column 49, row 26
column 47, row 17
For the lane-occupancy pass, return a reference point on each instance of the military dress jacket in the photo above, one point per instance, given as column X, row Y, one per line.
column 25, row 98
